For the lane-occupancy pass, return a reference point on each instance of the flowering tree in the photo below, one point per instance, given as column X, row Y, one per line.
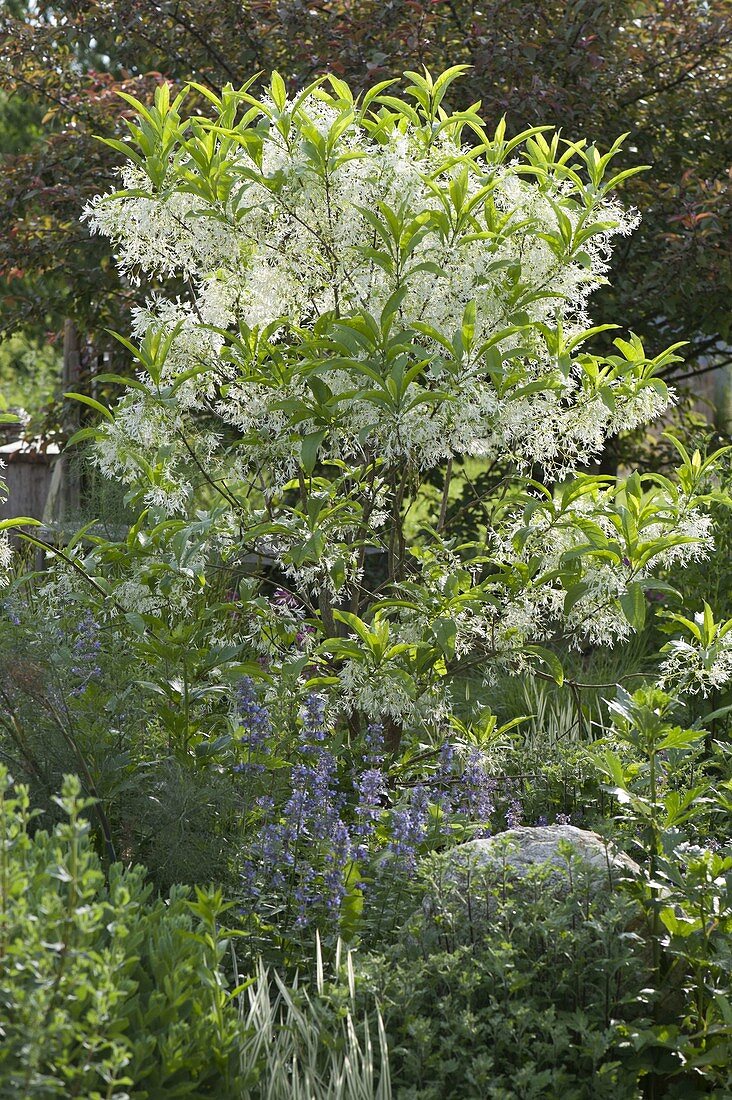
column 374, row 301
column 4, row 544
column 657, row 68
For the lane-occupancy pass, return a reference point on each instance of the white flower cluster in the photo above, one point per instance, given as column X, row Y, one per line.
column 696, row 669
column 595, row 615
column 6, row 552
column 297, row 240
column 380, row 694
column 6, row 555
column 364, row 297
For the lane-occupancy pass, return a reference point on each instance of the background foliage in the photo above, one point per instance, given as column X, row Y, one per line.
column 129, row 984
column 659, row 69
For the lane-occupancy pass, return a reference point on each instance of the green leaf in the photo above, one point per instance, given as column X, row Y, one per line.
column 680, row 738
column 633, row 603
column 610, row 765
column 677, row 926
column 137, row 623
column 309, row 449
column 467, row 331
column 552, row 662
column 81, row 435
column 352, row 903
column 446, row 634
column 574, row 594
column 19, row 521
column 96, row 405
column 717, row 1054
column 278, row 91
column 358, row 626
column 321, row 391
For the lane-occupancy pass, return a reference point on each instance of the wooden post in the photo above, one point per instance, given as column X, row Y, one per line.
column 723, row 398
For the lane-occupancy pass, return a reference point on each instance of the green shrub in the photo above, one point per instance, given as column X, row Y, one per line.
column 72, row 702
column 674, row 807
column 108, row 991
column 524, row 993
column 30, row 371
column 103, row 987
column 528, row 1001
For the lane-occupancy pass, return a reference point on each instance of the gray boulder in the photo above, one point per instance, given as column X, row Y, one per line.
column 468, row 885
column 563, row 849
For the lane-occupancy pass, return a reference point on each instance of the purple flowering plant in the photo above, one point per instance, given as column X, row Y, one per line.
column 333, row 828
column 86, row 650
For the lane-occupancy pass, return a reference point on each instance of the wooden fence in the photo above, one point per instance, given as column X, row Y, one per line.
column 29, row 473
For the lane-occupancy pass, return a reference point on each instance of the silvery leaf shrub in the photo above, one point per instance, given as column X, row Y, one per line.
column 369, row 298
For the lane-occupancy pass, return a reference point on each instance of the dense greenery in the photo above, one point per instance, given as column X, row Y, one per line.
column 115, row 989
column 355, row 600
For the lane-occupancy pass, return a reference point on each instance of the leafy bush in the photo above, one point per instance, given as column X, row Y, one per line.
column 518, row 989
column 30, row 372
column 102, row 986
column 72, row 702
column 674, row 807
column 530, row 1004
column 108, row 991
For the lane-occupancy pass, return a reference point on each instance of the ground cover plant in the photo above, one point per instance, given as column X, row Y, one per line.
column 359, row 461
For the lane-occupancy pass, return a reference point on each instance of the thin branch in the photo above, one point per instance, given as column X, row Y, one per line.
column 198, row 36
column 699, row 371
column 445, row 495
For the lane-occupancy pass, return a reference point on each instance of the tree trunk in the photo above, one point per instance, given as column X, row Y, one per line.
column 69, row 498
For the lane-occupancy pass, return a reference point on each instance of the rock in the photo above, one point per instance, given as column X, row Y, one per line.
column 526, row 867
column 525, row 848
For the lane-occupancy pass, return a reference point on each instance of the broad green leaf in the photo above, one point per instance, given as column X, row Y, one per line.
column 633, row 603
column 309, row 449
column 96, row 405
